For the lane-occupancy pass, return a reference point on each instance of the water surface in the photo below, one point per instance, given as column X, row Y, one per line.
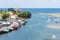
column 35, row 29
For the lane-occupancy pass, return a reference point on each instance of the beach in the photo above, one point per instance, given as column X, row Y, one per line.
column 54, row 26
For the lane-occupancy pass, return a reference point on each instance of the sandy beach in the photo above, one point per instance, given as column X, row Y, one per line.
column 55, row 15
column 56, row 26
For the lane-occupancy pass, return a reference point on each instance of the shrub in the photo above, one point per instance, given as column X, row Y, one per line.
column 11, row 9
column 24, row 14
column 5, row 15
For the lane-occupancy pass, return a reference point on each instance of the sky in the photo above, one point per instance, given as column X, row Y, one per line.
column 29, row 3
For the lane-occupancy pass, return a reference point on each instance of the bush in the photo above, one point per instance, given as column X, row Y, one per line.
column 11, row 9
column 24, row 14
column 5, row 15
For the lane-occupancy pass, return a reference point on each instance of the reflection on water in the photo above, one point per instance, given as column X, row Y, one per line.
column 35, row 29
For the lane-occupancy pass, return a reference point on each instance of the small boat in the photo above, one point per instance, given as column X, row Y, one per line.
column 6, row 27
column 22, row 22
column 3, row 30
column 15, row 28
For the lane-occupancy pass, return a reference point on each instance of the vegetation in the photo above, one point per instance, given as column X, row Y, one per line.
column 11, row 9
column 22, row 14
column 2, row 12
column 6, row 15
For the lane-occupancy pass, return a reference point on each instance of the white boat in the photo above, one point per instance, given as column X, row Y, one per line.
column 22, row 22
column 7, row 26
column 4, row 28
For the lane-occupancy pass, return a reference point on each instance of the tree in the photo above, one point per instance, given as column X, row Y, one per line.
column 5, row 15
column 24, row 14
column 28, row 14
column 11, row 9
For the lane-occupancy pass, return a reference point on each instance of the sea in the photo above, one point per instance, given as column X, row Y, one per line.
column 42, row 10
column 35, row 28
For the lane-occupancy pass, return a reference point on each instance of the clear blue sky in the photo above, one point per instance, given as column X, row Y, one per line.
column 30, row 3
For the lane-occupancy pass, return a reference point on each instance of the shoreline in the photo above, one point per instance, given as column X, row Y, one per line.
column 55, row 26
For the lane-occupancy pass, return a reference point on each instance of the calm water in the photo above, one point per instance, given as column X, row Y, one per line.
column 42, row 10
column 35, row 29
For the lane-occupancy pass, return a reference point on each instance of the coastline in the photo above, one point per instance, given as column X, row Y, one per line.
column 55, row 26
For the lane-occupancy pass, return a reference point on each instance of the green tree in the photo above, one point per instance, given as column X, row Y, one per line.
column 5, row 15
column 24, row 14
column 11, row 9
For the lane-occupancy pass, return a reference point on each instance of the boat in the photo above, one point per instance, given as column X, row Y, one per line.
column 7, row 26
column 22, row 22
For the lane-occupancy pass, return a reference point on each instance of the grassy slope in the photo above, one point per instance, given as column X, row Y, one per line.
column 1, row 13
